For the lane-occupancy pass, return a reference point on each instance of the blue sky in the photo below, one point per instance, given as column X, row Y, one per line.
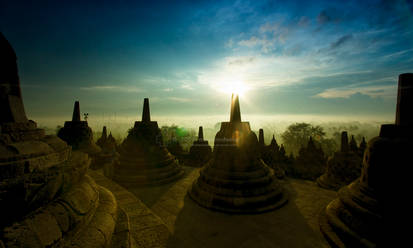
column 301, row 57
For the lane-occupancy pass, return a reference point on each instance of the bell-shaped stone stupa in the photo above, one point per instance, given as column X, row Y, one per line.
column 200, row 151
column 46, row 197
column 369, row 211
column 271, row 155
column 144, row 160
column 310, row 162
column 78, row 134
column 236, row 180
column 108, row 155
column 343, row 167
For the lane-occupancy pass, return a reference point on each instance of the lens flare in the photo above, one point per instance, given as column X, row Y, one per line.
column 233, row 86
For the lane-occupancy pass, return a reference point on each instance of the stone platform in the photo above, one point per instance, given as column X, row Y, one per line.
column 189, row 225
column 146, row 229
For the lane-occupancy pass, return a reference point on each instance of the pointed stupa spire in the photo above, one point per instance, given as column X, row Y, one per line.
column 104, row 133
column 404, row 112
column 146, row 115
column 363, row 143
column 76, row 112
column 273, row 141
column 111, row 138
column 11, row 102
column 353, row 144
column 200, row 134
column 235, row 109
column 282, row 150
column 344, row 142
column 261, row 137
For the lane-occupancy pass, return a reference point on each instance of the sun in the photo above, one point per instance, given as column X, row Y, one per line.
column 233, row 86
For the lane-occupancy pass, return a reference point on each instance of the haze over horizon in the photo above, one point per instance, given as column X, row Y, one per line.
column 320, row 59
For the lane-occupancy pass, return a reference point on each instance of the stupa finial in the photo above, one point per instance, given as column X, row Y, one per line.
column 261, row 137
column 146, row 115
column 104, row 132
column 200, row 134
column 404, row 111
column 235, row 109
column 76, row 112
column 344, row 142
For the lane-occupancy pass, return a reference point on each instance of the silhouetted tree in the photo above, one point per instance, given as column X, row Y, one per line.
column 298, row 134
column 174, row 135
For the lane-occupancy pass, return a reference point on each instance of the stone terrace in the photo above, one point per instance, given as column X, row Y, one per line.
column 164, row 216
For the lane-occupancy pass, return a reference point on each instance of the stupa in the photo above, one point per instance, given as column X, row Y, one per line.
column 367, row 212
column 310, row 162
column 46, row 197
column 144, row 160
column 103, row 138
column 362, row 147
column 108, row 155
column 78, row 134
column 271, row 155
column 200, row 151
column 343, row 167
column 106, row 142
column 236, row 180
column 353, row 144
column 176, row 149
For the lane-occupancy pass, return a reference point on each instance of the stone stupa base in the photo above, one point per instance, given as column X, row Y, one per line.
column 238, row 192
column 137, row 173
column 340, row 223
column 329, row 182
column 85, row 216
column 342, row 169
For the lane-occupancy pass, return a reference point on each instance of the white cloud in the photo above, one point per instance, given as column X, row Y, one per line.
column 251, row 42
column 265, row 44
column 372, row 91
column 187, row 86
column 179, row 99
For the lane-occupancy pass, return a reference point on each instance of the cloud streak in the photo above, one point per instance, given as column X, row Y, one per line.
column 131, row 89
column 374, row 91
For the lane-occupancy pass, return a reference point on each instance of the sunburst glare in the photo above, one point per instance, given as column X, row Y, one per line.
column 233, row 86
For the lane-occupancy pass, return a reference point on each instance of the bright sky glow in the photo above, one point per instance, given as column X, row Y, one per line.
column 231, row 86
column 322, row 57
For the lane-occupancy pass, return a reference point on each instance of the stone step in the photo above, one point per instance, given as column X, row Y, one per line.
column 146, row 228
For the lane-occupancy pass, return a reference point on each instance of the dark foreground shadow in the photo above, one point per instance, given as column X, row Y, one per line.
column 151, row 194
column 196, row 226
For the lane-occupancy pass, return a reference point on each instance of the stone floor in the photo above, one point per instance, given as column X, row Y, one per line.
column 189, row 225
column 146, row 228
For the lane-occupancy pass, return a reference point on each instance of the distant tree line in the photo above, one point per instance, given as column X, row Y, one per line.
column 297, row 135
